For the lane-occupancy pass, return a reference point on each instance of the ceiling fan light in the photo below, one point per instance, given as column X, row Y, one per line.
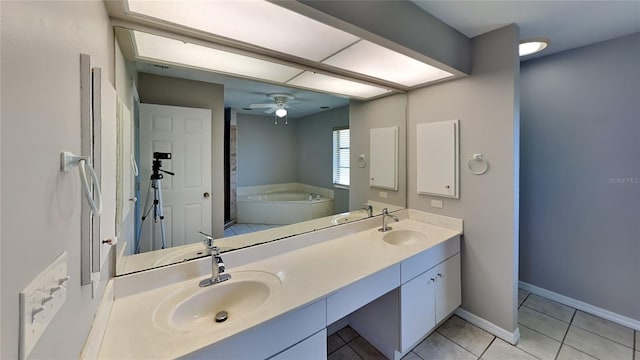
column 281, row 112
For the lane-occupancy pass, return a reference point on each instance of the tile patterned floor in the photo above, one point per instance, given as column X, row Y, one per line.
column 548, row 331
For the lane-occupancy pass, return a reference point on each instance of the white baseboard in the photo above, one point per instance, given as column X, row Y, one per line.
column 94, row 340
column 510, row 337
column 582, row 306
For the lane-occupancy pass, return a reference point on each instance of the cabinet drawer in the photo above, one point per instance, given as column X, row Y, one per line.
column 356, row 295
column 263, row 341
column 427, row 259
column 312, row 348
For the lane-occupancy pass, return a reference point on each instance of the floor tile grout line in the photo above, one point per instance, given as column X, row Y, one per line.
column 485, row 350
column 566, row 333
column 543, row 334
column 455, row 342
column 355, row 351
column 602, row 336
column 551, row 316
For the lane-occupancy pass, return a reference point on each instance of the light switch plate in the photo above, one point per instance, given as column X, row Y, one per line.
column 40, row 301
column 383, row 194
column 436, row 204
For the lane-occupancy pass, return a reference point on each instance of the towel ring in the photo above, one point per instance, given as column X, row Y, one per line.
column 480, row 159
column 362, row 161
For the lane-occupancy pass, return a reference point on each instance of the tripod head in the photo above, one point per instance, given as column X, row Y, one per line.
column 157, row 165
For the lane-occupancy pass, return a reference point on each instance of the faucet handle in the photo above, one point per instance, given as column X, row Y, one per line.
column 208, row 239
column 385, row 211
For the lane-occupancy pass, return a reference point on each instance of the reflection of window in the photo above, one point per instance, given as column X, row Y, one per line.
column 341, row 157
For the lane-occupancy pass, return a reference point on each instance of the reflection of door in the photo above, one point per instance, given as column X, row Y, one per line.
column 186, row 134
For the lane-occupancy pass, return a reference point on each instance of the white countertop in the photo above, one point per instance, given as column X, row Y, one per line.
column 307, row 275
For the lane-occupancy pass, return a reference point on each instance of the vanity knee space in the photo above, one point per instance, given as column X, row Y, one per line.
column 400, row 319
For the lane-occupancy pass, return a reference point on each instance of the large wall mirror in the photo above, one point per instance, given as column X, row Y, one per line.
column 201, row 151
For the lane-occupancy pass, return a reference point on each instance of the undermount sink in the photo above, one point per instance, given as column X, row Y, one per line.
column 348, row 217
column 404, row 237
column 193, row 308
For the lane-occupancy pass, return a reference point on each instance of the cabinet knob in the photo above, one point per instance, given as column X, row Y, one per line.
column 206, row 195
column 439, row 275
column 433, row 279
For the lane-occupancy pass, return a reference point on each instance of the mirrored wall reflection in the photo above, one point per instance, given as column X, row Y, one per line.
column 213, row 150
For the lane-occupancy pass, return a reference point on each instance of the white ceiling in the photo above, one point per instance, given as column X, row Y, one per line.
column 568, row 24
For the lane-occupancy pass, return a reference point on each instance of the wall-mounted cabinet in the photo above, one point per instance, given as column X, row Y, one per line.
column 383, row 162
column 438, row 158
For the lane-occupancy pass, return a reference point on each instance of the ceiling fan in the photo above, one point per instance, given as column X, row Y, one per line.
column 279, row 105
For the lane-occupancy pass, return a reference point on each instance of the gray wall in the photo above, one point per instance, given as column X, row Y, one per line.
column 314, row 148
column 162, row 90
column 486, row 104
column 266, row 152
column 41, row 45
column 580, row 200
column 364, row 116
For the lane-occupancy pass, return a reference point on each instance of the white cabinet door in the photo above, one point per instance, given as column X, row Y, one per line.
column 448, row 287
column 437, row 158
column 417, row 304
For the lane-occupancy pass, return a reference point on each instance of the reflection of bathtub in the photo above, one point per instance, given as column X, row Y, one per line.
column 282, row 207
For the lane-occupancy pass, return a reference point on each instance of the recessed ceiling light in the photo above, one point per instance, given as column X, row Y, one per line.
column 532, row 46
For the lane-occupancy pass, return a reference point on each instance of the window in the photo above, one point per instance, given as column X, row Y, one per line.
column 341, row 157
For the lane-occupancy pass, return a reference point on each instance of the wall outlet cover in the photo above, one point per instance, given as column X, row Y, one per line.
column 437, row 204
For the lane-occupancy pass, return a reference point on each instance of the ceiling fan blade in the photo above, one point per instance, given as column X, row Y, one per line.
column 256, row 106
column 270, row 111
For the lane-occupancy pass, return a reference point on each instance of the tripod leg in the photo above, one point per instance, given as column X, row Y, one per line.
column 145, row 212
column 159, row 211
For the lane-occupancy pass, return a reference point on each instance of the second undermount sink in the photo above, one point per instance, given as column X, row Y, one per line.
column 193, row 308
column 404, row 237
column 348, row 217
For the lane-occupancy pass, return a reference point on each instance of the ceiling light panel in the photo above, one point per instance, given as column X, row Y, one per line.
column 163, row 49
column 376, row 61
column 336, row 85
column 254, row 22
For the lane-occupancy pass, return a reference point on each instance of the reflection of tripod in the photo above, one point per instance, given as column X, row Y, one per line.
column 157, row 206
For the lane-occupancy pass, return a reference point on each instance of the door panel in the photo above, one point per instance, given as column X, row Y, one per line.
column 186, row 134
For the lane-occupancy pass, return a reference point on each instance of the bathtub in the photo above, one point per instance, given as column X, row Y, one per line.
column 282, row 207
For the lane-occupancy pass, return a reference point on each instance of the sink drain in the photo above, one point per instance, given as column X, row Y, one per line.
column 222, row 316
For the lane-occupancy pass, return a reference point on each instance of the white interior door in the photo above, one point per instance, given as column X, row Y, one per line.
column 186, row 134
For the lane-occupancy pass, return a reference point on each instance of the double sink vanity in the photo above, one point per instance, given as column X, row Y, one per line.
column 395, row 287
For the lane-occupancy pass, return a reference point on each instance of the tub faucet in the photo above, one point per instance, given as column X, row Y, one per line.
column 369, row 209
column 385, row 214
column 217, row 265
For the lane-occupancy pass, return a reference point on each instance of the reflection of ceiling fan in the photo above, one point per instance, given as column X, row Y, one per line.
column 280, row 105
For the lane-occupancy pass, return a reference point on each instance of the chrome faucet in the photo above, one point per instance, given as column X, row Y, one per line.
column 369, row 209
column 208, row 242
column 385, row 214
column 217, row 264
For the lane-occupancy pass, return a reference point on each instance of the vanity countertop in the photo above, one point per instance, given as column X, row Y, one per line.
column 307, row 275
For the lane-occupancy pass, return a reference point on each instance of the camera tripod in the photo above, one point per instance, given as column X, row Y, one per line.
column 155, row 183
